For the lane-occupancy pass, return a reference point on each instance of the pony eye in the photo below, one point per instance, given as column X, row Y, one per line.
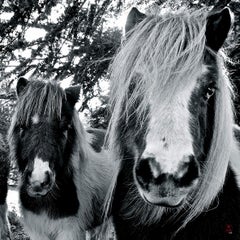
column 22, row 127
column 65, row 126
column 22, row 130
column 209, row 92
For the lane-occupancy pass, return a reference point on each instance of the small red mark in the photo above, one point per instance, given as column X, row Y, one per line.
column 228, row 229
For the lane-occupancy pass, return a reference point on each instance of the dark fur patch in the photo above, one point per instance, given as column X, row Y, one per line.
column 202, row 110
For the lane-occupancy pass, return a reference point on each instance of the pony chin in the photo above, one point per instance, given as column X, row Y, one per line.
column 34, row 194
column 166, row 201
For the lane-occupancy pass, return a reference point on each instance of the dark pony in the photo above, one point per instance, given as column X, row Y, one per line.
column 65, row 173
column 4, row 173
column 171, row 130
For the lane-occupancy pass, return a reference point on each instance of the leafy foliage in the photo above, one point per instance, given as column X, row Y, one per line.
column 100, row 116
column 74, row 42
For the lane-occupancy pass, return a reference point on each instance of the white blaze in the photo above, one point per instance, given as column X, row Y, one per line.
column 40, row 168
column 169, row 140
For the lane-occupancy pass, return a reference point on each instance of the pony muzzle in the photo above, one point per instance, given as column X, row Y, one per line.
column 166, row 189
column 170, row 201
column 40, row 187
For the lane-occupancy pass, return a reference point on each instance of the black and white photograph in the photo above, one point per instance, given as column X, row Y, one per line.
column 120, row 120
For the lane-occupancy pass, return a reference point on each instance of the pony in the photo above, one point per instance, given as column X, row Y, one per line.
column 172, row 129
column 4, row 174
column 65, row 173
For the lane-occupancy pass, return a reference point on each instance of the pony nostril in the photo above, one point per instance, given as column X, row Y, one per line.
column 146, row 171
column 47, row 180
column 37, row 188
column 143, row 172
column 190, row 172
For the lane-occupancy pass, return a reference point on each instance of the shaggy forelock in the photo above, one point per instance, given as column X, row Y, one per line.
column 41, row 98
column 163, row 54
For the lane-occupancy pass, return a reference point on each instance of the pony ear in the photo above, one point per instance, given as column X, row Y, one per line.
column 218, row 26
column 134, row 18
column 72, row 94
column 21, row 84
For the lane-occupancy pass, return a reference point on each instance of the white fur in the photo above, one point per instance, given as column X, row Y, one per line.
column 40, row 227
column 169, row 139
column 96, row 176
column 35, row 119
column 40, row 168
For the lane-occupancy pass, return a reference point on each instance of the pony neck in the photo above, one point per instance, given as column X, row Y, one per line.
column 92, row 174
